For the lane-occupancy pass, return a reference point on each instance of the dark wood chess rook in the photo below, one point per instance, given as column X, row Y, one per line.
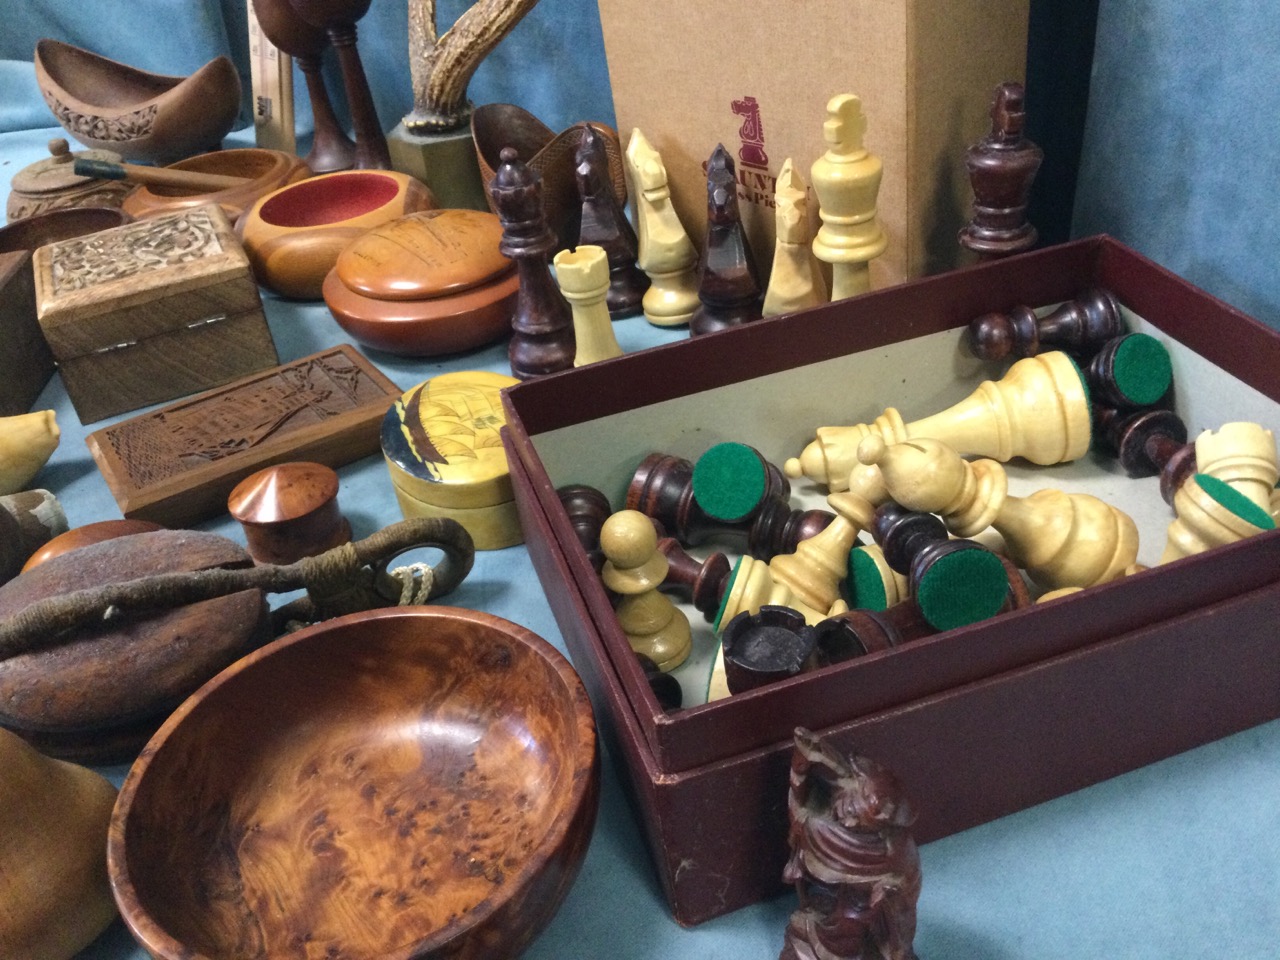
column 662, row 488
column 1079, row 326
column 542, row 325
column 700, row 582
column 1002, row 166
column 1147, row 443
column 854, row 863
column 331, row 148
column 605, row 224
column 765, row 647
column 338, row 18
column 729, row 288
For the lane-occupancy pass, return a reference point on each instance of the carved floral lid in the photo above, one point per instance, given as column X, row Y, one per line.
column 441, row 440
column 424, row 256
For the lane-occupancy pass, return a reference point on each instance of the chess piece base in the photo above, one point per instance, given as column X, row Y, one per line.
column 445, row 162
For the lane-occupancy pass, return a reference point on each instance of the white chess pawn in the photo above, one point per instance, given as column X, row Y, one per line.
column 846, row 180
column 666, row 254
column 583, row 276
column 635, row 568
column 795, row 282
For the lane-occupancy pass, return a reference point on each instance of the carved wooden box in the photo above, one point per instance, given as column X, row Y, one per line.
column 150, row 311
column 978, row 722
column 177, row 465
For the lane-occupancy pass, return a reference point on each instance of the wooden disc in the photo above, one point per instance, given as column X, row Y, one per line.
column 99, row 696
column 424, row 255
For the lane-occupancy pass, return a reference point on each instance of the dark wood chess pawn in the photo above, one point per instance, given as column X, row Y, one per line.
column 854, row 863
column 765, row 647
column 1002, row 166
column 954, row 582
column 729, row 289
column 588, row 509
column 605, row 224
column 1079, row 326
column 1147, row 443
column 542, row 324
column 1130, row 371
column 700, row 582
column 665, row 687
column 662, row 487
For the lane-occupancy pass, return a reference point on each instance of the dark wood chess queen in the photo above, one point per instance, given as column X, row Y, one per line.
column 854, row 862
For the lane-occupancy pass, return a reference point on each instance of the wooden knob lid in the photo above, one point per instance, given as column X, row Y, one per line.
column 55, row 172
column 425, row 255
column 289, row 511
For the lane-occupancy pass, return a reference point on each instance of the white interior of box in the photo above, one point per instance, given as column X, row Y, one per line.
column 777, row 414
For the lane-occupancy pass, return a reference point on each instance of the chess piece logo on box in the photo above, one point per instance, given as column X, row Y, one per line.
column 853, row 860
column 751, row 152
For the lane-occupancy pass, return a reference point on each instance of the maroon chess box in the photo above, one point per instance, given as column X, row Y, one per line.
column 978, row 722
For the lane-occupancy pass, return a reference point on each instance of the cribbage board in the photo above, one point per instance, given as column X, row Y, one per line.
column 176, row 465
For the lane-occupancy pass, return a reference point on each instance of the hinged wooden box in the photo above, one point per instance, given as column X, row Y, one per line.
column 150, row 311
column 978, row 722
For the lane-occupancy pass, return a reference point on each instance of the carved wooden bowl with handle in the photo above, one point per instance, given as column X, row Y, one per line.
column 410, row 782
column 262, row 171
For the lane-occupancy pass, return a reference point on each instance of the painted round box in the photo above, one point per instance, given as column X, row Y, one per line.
column 445, row 456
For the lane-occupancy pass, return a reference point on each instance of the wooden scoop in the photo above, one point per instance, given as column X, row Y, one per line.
column 193, row 180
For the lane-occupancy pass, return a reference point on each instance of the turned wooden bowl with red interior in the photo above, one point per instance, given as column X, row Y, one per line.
column 405, row 782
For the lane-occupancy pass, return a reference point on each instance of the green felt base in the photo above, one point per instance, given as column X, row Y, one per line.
column 1142, row 369
column 1235, row 501
column 962, row 588
column 864, row 583
column 729, row 481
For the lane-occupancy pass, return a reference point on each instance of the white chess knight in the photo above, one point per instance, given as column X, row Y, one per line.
column 666, row 254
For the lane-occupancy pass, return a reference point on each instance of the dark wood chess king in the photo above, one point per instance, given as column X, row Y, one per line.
column 542, row 326
column 854, row 863
column 1002, row 166
column 729, row 288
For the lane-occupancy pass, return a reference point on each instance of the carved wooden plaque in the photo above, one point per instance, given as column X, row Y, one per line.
column 177, row 465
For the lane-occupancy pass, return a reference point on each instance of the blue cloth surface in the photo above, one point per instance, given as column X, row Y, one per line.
column 1176, row 861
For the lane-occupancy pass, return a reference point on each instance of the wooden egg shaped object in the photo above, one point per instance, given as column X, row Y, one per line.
column 293, row 235
column 262, row 171
column 96, row 697
column 408, row 782
column 426, row 284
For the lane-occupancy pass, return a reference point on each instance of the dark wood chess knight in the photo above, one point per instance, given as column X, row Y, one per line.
column 853, row 860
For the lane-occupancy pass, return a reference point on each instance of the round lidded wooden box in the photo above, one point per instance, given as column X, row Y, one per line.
column 426, row 284
column 52, row 184
column 442, row 448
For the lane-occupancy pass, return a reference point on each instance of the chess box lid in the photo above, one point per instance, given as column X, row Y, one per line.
column 442, row 444
column 142, row 280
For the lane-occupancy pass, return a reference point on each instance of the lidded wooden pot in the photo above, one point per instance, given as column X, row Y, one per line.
column 426, row 284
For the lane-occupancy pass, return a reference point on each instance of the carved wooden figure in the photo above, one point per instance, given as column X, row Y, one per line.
column 1078, row 326
column 795, row 282
column 846, row 180
column 1060, row 539
column 1038, row 410
column 665, row 253
column 635, row 568
column 338, row 18
column 542, row 325
column 854, row 863
column 1210, row 514
column 729, row 287
column 331, row 148
column 604, row 224
column 583, row 277
column 1002, row 166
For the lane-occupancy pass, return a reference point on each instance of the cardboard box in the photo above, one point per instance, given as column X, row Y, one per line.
column 756, row 76
column 150, row 311
column 978, row 722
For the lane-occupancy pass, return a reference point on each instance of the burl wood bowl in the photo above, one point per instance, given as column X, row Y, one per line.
column 410, row 782
column 293, row 235
column 263, row 171
column 109, row 105
column 62, row 224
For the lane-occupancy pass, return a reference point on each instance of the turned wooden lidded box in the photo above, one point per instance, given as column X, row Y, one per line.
column 150, row 311
column 443, row 448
